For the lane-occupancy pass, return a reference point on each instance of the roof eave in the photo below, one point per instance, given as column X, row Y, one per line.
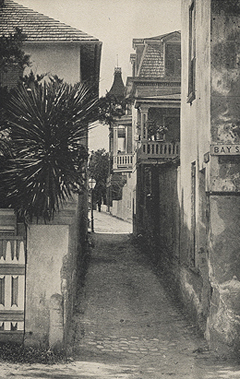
column 37, row 41
column 157, row 102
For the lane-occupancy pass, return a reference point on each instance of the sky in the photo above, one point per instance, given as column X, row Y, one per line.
column 115, row 23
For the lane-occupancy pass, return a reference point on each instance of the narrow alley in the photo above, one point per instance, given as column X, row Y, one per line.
column 126, row 324
column 126, row 317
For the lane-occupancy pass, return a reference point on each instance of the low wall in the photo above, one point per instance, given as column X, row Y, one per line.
column 120, row 210
column 51, row 277
column 47, row 248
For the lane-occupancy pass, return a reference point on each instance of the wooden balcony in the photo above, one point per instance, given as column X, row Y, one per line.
column 154, row 150
column 123, row 162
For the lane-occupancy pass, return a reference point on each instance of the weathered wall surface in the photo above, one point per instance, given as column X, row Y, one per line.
column 223, row 327
column 224, row 238
column 209, row 183
column 47, row 247
column 191, row 273
column 195, row 115
column 225, row 96
column 53, row 255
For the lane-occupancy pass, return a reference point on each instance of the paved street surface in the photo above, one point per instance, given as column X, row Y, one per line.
column 126, row 325
column 103, row 223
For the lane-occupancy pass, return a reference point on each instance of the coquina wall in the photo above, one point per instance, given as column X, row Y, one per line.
column 210, row 166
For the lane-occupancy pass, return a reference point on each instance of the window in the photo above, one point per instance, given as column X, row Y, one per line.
column 192, row 54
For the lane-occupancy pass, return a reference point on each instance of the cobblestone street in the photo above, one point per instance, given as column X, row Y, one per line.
column 126, row 325
column 127, row 318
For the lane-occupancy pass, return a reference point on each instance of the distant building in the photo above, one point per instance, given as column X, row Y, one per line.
column 120, row 146
column 147, row 137
column 155, row 90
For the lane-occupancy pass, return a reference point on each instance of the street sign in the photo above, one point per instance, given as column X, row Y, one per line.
column 230, row 149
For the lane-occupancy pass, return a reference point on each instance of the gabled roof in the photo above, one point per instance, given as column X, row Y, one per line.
column 36, row 26
column 151, row 54
column 160, row 38
column 166, row 36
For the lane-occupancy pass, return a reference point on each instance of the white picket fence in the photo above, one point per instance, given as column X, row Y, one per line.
column 12, row 284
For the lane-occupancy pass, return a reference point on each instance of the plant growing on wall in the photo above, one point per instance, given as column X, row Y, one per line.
column 47, row 124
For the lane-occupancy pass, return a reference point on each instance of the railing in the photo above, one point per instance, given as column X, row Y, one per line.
column 122, row 161
column 157, row 149
column 12, row 284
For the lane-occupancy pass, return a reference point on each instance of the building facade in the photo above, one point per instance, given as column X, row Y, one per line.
column 210, row 168
column 148, row 136
column 154, row 88
column 119, row 199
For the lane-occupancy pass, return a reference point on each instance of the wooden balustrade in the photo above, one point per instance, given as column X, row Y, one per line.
column 157, row 149
column 122, row 161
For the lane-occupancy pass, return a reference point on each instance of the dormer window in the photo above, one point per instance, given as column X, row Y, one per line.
column 173, row 59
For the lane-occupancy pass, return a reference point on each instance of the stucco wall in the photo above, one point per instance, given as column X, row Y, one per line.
column 223, row 328
column 195, row 116
column 47, row 247
column 212, row 117
column 124, row 208
column 225, row 93
column 58, row 59
column 53, row 256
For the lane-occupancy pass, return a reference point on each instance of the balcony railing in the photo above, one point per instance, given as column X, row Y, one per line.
column 122, row 162
column 157, row 149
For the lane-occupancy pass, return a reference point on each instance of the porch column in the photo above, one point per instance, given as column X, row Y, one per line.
column 144, row 118
column 115, row 140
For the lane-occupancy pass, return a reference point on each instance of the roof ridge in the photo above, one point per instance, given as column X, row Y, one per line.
column 38, row 26
column 157, row 38
column 162, row 36
column 37, row 14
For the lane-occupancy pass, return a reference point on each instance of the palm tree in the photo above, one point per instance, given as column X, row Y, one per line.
column 47, row 126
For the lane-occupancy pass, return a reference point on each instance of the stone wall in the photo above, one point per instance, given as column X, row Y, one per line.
column 209, row 186
column 223, row 327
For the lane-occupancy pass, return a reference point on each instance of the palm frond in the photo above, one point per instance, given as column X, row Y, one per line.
column 47, row 126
